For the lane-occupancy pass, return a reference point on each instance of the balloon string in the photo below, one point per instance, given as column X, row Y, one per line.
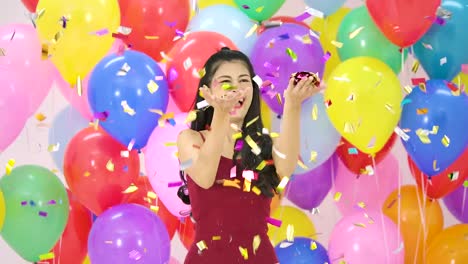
column 400, row 184
column 382, row 219
column 423, row 222
column 463, row 202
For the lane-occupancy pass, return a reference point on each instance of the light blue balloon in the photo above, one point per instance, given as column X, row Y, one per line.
column 447, row 42
column 317, row 134
column 65, row 126
column 228, row 21
column 327, row 7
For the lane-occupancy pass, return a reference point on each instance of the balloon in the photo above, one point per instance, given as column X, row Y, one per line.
column 363, row 97
column 145, row 196
column 162, row 164
column 131, row 100
column 370, row 190
column 441, row 51
column 12, row 113
column 318, row 135
column 403, row 22
column 129, row 233
column 206, row 3
column 72, row 246
column 367, row 237
column 282, row 20
column 302, row 250
column 457, row 203
column 422, row 113
column 295, row 50
column 288, row 215
column 228, row 21
column 22, row 48
column 98, row 169
column 186, row 232
column 30, row 5
column 369, row 41
column 449, row 246
column 80, row 101
column 308, row 190
column 356, row 161
column 78, row 33
column 2, row 210
column 419, row 220
column 183, row 80
column 173, row 261
column 36, row 213
column 328, row 7
column 259, row 10
column 442, row 183
column 328, row 29
column 154, row 24
column 461, row 80
column 67, row 123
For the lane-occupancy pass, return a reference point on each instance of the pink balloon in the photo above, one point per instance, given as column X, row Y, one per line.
column 372, row 190
column 162, row 164
column 13, row 114
column 22, row 48
column 173, row 261
column 366, row 238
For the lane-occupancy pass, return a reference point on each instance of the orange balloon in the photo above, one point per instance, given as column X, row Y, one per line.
column 449, row 246
column 416, row 229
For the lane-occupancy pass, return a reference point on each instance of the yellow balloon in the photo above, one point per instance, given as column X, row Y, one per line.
column 2, row 210
column 302, row 226
column 328, row 29
column 205, row 3
column 265, row 115
column 86, row 261
column 449, row 246
column 461, row 79
column 78, row 44
column 363, row 96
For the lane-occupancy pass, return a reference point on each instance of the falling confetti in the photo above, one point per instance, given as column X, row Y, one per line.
column 256, row 243
column 40, row 117
column 127, row 109
column 446, row 141
column 244, row 252
column 337, row 44
column 110, row 165
column 47, row 256
column 9, row 166
column 291, row 54
column 337, row 196
column 355, row 33
column 274, row 222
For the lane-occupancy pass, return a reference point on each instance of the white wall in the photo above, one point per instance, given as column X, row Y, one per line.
column 31, row 145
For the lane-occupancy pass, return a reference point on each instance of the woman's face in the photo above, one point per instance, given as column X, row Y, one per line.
column 234, row 75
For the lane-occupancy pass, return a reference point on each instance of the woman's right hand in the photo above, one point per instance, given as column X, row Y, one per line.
column 225, row 103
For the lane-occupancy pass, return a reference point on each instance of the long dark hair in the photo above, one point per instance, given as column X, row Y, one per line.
column 262, row 164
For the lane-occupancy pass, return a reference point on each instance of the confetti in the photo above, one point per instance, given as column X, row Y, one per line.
column 443, row 13
column 415, row 66
column 350, row 98
column 79, row 86
column 202, row 104
column 355, row 33
column 284, row 181
column 187, row 63
column 421, row 111
column 53, row 147
column 151, row 195
column 443, row 61
column 285, row 244
column 360, row 225
column 259, row 9
column 337, row 196
column 216, row 238
column 131, row 189
column 337, row 44
column 110, row 166
column 134, row 254
column 244, row 252
column 417, row 81
column 279, row 154
column 306, row 39
column 40, row 117
column 47, row 256
column 434, row 166
column 151, row 37
column 313, row 156
column 313, row 245
column 42, row 213
column 9, row 166
column 315, row 211
column 453, row 176
column 201, row 245
column 326, row 56
column 101, row 32
column 446, row 141
column 251, row 31
column 349, row 128
column 465, row 184
column 399, row 249
column 315, row 12
column 303, row 16
column 291, row 54
column 278, row 98
column 87, row 174
column 124, row 70
column 256, row 190
column 256, row 243
column 290, row 233
column 423, row 135
column 254, row 147
column 232, row 183
column 401, row 133
column 353, row 151
column 174, row 184
column 274, row 222
column 127, row 109
column 315, row 112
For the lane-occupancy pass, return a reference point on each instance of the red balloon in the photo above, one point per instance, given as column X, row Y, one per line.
column 183, row 80
column 141, row 196
column 97, row 171
column 154, row 24
column 441, row 184
column 285, row 20
column 30, row 5
column 187, row 232
column 358, row 162
column 403, row 22
column 72, row 246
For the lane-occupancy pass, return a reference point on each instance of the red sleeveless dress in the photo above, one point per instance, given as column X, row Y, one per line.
column 227, row 221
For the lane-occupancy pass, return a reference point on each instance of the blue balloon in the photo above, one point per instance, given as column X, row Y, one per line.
column 228, row 21
column 327, row 7
column 65, row 126
column 319, row 137
column 436, row 120
column 126, row 89
column 301, row 252
column 447, row 50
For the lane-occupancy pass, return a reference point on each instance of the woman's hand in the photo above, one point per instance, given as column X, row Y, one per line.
column 304, row 89
column 225, row 103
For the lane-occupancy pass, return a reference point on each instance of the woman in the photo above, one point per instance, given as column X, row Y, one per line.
column 233, row 165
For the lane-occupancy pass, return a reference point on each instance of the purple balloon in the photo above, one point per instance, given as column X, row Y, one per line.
column 457, row 203
column 129, row 233
column 308, row 190
column 282, row 51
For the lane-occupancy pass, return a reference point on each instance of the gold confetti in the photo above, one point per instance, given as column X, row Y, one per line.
column 256, row 190
column 446, row 141
column 434, row 166
column 423, row 135
column 256, row 243
column 279, row 99
column 201, row 245
column 251, row 31
column 110, row 166
column 355, row 33
column 421, row 111
column 87, row 174
column 350, row 98
column 435, row 130
column 151, row 195
column 337, row 196
column 291, row 54
column 274, row 135
column 53, row 147
column 247, row 185
column 127, row 109
column 259, row 9
column 40, row 117
column 154, row 208
column 244, row 252
column 9, row 166
column 284, row 181
column 306, row 39
column 290, row 233
column 237, row 135
column 313, row 245
column 360, row 225
column 191, row 116
column 232, row 183
column 170, row 144
column 261, row 166
column 47, row 256
column 130, row 189
column 408, row 89
column 361, row 204
column 45, row 51
column 216, row 238
column 422, row 87
column 57, row 37
column 337, row 44
column 152, row 86
column 302, row 165
column 151, row 37
column 313, row 156
column 315, row 112
column 251, row 122
column 201, row 73
column 389, row 108
column 349, row 128
column 255, row 148
column 415, row 66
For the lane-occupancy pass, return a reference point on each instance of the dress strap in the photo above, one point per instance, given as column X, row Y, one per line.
column 202, row 136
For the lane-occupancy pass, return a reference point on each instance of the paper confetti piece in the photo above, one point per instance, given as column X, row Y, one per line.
column 446, row 141
column 279, row 154
column 2, row 52
column 131, row 189
column 421, row 111
column 290, row 233
column 201, row 245
column 465, row 184
column 434, row 166
column 202, row 104
column 53, row 147
column 355, row 32
column 285, row 244
column 274, row 222
column 152, row 86
column 360, row 225
column 244, row 252
column 306, row 39
column 256, row 243
column 47, row 256
column 349, row 128
column 401, row 133
column 315, row 12
column 313, row 156
column 313, row 245
column 110, row 166
column 259, row 9
column 291, row 54
column 337, row 44
column 40, row 117
column 315, row 112
column 256, row 190
column 251, row 31
column 315, row 211
column 187, row 63
column 232, row 183
column 337, row 196
column 361, row 204
column 353, row 151
column 284, row 181
column 9, row 166
column 423, row 135
column 127, row 109
column 254, row 147
column 216, row 238
column 443, row 61
column 415, row 66
column 42, row 213
column 134, row 254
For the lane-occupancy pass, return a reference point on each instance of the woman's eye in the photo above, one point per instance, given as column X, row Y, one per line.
column 225, row 81
column 245, row 80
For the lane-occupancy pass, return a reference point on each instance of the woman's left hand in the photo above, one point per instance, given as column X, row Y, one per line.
column 304, row 89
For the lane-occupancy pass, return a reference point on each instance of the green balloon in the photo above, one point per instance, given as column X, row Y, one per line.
column 367, row 41
column 259, row 10
column 36, row 210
